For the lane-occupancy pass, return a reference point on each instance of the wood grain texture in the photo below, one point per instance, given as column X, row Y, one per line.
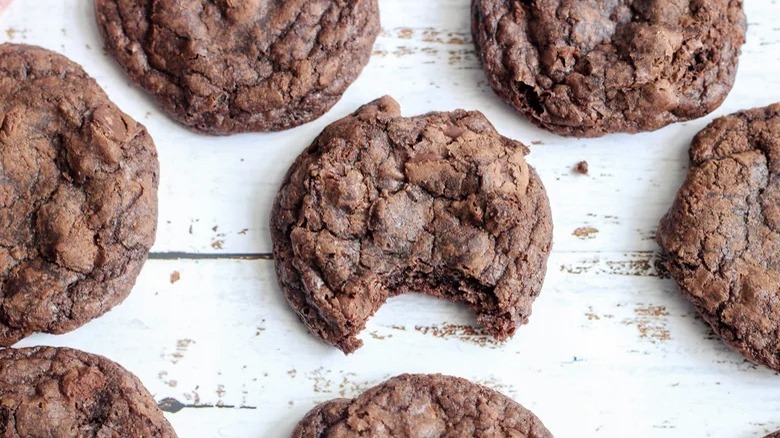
column 611, row 350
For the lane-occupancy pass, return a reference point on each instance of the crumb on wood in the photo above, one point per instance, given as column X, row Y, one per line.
column 349, row 387
column 375, row 334
column 581, row 168
column 466, row 333
column 13, row 33
column 403, row 51
column 405, row 33
column 585, row 232
column 321, row 383
column 537, row 142
column 639, row 264
column 175, row 276
column 181, row 348
column 217, row 244
column 593, row 316
column 651, row 321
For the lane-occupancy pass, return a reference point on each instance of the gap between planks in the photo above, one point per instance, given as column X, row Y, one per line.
column 625, row 263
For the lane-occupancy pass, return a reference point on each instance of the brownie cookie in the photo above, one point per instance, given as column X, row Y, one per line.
column 226, row 66
column 423, row 406
column 773, row 435
column 722, row 234
column 586, row 68
column 60, row 392
column 439, row 204
column 78, row 189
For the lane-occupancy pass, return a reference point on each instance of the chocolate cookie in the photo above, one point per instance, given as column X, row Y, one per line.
column 586, row 68
column 773, row 435
column 226, row 66
column 60, row 392
column 78, row 188
column 722, row 234
column 439, row 204
column 423, row 405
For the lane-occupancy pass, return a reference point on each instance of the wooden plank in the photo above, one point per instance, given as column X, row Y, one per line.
column 424, row 59
column 612, row 350
column 608, row 350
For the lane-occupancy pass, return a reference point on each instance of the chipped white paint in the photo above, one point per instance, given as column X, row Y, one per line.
column 611, row 350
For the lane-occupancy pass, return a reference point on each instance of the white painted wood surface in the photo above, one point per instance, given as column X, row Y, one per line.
column 611, row 349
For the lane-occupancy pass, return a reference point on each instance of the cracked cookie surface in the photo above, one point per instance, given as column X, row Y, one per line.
column 422, row 405
column 227, row 66
column 586, row 68
column 722, row 234
column 78, row 190
column 61, row 392
column 380, row 205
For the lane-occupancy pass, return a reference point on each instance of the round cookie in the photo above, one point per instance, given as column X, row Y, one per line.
column 722, row 234
column 61, row 392
column 225, row 66
column 586, row 68
column 78, row 188
column 380, row 205
column 423, row 405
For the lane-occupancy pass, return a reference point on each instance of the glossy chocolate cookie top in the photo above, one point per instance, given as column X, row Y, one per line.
column 381, row 205
column 423, row 406
column 227, row 66
column 78, row 189
column 722, row 234
column 60, row 392
column 586, row 68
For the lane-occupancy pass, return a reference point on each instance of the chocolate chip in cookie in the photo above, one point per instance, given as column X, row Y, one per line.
column 78, row 189
column 586, row 68
column 380, row 205
column 423, row 405
column 722, row 234
column 227, row 66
